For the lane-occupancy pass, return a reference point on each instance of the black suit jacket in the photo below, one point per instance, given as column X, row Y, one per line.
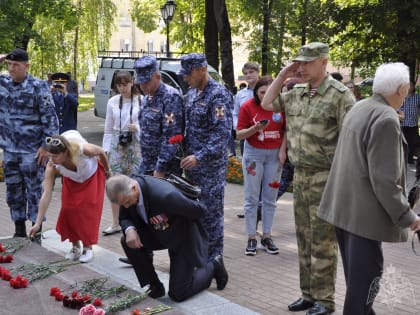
column 185, row 232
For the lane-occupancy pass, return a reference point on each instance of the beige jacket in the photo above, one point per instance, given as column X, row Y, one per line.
column 366, row 189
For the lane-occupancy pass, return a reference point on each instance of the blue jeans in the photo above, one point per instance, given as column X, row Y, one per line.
column 262, row 171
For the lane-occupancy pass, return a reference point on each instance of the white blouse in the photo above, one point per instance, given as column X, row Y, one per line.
column 112, row 119
column 85, row 167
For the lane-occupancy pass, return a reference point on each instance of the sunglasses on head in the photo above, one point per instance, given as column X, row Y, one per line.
column 55, row 143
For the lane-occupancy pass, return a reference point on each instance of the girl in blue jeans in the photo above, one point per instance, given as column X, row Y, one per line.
column 264, row 155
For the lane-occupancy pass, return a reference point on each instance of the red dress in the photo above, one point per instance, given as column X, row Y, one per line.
column 81, row 208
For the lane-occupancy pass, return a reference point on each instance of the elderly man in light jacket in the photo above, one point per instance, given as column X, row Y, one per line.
column 365, row 197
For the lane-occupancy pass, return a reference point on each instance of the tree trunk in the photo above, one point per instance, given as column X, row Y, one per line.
column 211, row 38
column 225, row 37
column 267, row 6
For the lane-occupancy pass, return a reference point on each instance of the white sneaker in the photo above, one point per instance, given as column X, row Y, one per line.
column 74, row 253
column 86, row 256
column 112, row 229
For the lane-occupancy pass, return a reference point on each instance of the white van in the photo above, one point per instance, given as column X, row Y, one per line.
column 112, row 62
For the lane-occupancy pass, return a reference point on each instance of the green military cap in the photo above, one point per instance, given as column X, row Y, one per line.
column 312, row 51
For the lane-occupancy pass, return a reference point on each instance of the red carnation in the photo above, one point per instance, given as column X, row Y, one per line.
column 176, row 139
column 274, row 185
column 97, row 302
column 54, row 291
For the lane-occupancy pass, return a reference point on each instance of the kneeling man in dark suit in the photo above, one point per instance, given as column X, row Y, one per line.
column 155, row 215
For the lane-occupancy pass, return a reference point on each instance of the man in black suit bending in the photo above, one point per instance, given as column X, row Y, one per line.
column 155, row 215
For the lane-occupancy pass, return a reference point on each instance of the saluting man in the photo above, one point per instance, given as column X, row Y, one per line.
column 65, row 103
column 208, row 123
column 27, row 117
column 161, row 117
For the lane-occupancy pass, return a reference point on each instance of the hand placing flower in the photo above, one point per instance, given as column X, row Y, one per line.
column 177, row 140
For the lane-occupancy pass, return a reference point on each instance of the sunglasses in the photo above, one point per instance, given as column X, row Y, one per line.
column 55, row 143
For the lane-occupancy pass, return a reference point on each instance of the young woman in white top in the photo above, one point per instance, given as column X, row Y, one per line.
column 84, row 168
column 122, row 135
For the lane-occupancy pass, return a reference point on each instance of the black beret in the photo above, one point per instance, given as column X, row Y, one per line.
column 18, row 54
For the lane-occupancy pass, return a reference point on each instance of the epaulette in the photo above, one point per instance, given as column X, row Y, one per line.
column 338, row 86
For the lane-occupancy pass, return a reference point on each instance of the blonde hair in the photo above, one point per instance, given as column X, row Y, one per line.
column 72, row 148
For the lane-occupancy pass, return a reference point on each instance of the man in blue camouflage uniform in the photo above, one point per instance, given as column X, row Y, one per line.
column 314, row 113
column 27, row 116
column 161, row 117
column 208, row 123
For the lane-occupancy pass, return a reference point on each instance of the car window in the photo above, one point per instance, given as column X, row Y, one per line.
column 166, row 78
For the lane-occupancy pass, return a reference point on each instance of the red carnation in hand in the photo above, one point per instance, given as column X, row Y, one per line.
column 275, row 185
column 2, row 249
column 176, row 139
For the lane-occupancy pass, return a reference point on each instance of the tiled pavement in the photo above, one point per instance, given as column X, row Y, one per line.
column 262, row 284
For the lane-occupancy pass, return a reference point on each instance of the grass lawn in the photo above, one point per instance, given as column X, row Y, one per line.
column 86, row 101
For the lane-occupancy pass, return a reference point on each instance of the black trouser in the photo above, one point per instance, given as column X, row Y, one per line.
column 363, row 264
column 411, row 134
column 184, row 279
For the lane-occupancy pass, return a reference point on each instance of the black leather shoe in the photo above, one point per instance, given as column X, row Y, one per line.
column 319, row 309
column 300, row 305
column 124, row 260
column 220, row 274
column 156, row 290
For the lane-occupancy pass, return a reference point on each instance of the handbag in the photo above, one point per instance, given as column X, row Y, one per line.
column 185, row 186
column 414, row 194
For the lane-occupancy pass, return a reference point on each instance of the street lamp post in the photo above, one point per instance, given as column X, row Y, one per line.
column 167, row 11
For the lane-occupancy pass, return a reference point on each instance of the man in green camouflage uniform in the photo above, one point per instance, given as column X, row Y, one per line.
column 314, row 113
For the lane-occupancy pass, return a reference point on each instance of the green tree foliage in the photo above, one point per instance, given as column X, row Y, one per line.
column 60, row 35
column 371, row 32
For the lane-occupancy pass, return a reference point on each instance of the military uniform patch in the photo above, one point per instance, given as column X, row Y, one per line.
column 170, row 118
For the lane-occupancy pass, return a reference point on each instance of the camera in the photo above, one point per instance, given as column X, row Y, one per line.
column 125, row 138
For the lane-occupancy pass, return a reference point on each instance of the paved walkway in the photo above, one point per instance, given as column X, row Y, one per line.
column 263, row 284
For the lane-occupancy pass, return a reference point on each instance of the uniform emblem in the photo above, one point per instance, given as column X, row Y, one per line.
column 170, row 118
column 220, row 112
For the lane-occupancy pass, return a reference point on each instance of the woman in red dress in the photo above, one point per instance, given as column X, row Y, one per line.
column 82, row 166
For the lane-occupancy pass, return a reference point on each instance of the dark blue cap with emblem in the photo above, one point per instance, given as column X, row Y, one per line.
column 145, row 67
column 17, row 54
column 191, row 61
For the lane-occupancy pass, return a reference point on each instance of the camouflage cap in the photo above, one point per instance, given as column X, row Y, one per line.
column 145, row 67
column 17, row 54
column 312, row 51
column 192, row 61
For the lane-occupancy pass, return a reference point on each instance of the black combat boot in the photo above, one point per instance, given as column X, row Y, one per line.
column 20, row 228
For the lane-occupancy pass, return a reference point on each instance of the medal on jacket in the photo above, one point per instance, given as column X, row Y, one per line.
column 159, row 222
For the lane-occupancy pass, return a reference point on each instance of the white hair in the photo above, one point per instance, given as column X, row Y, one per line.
column 389, row 77
column 119, row 185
